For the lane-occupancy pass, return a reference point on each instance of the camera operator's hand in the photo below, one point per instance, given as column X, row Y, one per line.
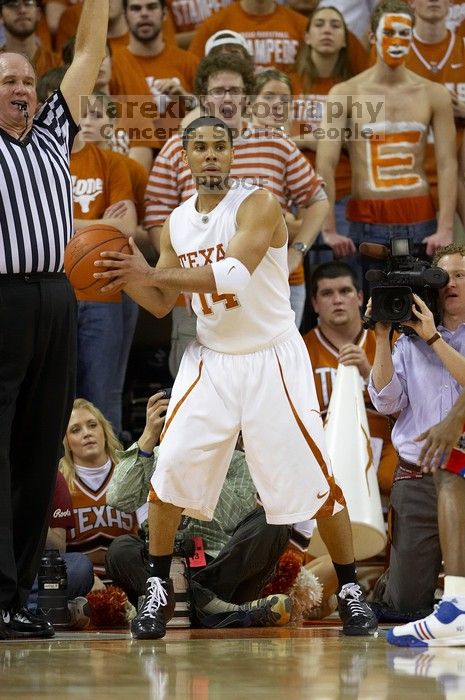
column 354, row 355
column 437, row 240
column 424, row 324
column 155, row 418
column 382, row 329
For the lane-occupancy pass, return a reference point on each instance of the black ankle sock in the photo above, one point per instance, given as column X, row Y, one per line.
column 345, row 573
column 160, row 566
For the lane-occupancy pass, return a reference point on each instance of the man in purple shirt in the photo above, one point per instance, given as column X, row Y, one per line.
column 420, row 382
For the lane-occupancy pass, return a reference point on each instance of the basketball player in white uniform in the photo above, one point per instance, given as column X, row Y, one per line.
column 247, row 371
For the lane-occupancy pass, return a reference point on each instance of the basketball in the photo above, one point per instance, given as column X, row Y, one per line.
column 84, row 249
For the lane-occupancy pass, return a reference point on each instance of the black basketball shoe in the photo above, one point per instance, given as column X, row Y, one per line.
column 357, row 617
column 156, row 610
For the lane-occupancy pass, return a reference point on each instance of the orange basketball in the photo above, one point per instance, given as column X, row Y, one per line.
column 84, row 249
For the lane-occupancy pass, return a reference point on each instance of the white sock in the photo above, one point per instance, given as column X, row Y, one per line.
column 454, row 587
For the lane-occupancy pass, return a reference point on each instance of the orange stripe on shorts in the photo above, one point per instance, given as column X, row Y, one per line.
column 181, row 401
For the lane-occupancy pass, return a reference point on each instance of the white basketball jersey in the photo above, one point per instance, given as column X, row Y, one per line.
column 232, row 323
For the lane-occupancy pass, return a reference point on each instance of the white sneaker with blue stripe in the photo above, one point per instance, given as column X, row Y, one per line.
column 445, row 627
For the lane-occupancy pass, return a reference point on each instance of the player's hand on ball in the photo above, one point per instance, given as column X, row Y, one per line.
column 120, row 268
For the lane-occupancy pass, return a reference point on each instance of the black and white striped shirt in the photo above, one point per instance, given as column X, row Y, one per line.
column 36, row 203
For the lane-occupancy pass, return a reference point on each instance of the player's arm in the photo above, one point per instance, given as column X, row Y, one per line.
column 88, row 55
column 158, row 302
column 258, row 227
column 254, row 235
column 154, row 233
column 328, row 153
column 446, row 163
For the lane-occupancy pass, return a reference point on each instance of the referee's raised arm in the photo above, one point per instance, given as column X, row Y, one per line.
column 89, row 53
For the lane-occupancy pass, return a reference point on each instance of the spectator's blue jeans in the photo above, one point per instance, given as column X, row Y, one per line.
column 105, row 333
column 80, row 577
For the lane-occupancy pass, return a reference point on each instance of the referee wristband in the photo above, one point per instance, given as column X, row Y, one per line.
column 145, row 454
column 433, row 338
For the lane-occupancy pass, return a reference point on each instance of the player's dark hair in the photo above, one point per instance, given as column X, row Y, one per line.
column 189, row 131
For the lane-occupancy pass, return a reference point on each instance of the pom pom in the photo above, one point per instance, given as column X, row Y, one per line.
column 109, row 607
column 306, row 593
column 287, row 570
column 301, row 585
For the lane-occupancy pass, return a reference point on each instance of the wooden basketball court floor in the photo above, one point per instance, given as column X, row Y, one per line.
column 290, row 663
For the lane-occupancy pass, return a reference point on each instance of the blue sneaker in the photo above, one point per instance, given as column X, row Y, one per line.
column 445, row 627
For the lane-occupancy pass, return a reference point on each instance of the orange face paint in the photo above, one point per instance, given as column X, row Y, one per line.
column 393, row 38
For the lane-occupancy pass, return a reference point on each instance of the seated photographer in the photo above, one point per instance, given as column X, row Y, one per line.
column 340, row 337
column 420, row 381
column 241, row 548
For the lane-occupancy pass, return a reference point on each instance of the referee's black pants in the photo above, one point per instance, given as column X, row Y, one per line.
column 37, row 384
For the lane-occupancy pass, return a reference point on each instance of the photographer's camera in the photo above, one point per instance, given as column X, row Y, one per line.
column 405, row 275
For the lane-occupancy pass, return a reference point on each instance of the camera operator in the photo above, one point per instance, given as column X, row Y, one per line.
column 420, row 382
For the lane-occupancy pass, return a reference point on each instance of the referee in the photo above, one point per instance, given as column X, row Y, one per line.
column 37, row 306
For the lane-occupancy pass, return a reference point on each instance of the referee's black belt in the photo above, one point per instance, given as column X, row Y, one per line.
column 31, row 276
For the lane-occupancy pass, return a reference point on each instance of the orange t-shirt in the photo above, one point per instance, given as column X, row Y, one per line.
column 443, row 63
column 139, row 179
column 46, row 59
column 187, row 15
column 308, row 111
column 69, row 21
column 118, row 42
column 137, row 75
column 273, row 39
column 99, row 179
column 43, row 33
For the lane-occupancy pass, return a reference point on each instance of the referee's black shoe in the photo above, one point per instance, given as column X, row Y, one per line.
column 24, row 624
column 357, row 617
column 156, row 610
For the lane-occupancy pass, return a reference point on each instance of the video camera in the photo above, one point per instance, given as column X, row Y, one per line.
column 405, row 275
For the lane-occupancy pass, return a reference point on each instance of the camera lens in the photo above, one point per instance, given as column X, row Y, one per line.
column 397, row 305
column 391, row 303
